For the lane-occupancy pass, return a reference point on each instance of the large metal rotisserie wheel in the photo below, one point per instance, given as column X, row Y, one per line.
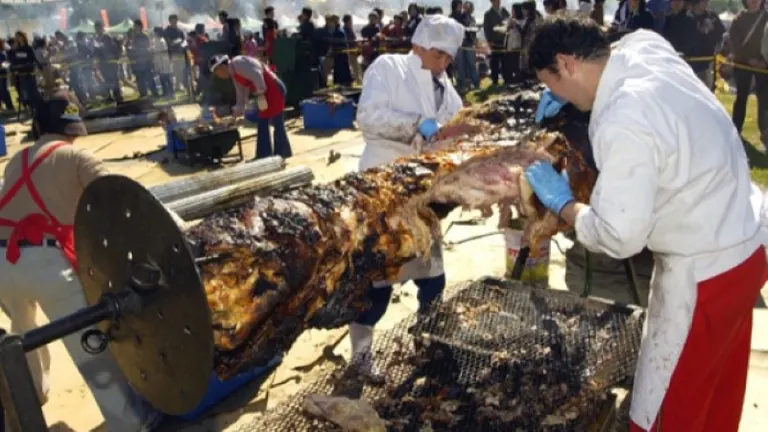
column 166, row 351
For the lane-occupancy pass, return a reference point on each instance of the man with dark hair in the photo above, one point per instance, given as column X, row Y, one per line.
column 139, row 51
column 680, row 28
column 495, row 29
column 708, row 35
column 370, row 47
column 269, row 28
column 177, row 50
column 107, row 50
column 196, row 42
column 694, row 208
column 414, row 18
column 269, row 12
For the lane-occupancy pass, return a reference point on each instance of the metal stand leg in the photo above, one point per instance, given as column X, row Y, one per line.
column 587, row 273
column 17, row 389
column 522, row 257
column 629, row 269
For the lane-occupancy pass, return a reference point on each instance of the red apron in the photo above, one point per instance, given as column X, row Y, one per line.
column 34, row 227
column 274, row 92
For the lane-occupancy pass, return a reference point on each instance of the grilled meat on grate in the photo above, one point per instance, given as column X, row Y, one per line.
column 496, row 355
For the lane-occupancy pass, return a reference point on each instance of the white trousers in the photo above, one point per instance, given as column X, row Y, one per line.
column 178, row 62
column 43, row 276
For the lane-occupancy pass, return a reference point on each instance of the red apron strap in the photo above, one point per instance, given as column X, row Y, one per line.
column 13, row 190
column 26, row 174
column 243, row 81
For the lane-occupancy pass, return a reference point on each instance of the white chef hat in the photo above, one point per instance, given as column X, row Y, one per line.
column 439, row 32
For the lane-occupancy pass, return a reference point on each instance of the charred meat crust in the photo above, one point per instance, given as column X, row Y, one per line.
column 301, row 258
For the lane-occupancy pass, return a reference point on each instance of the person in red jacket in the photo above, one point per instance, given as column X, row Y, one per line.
column 252, row 77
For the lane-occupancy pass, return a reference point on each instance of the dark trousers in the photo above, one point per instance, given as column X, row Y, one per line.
column 145, row 81
column 512, row 68
column 497, row 64
column 166, row 84
column 430, row 289
column 5, row 95
column 76, row 84
column 29, row 94
column 264, row 142
column 109, row 71
column 744, row 79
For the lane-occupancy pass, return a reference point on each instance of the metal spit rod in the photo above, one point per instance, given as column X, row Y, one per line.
column 19, row 404
column 107, row 308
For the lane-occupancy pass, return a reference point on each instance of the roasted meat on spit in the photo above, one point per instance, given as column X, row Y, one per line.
column 304, row 258
column 284, row 258
column 498, row 178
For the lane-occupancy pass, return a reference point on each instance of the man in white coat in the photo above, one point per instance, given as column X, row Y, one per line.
column 406, row 100
column 673, row 177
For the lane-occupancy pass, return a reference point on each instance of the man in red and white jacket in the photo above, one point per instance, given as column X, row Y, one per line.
column 252, row 77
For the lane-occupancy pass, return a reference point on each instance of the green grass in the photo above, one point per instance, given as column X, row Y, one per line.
column 758, row 160
column 98, row 102
column 482, row 94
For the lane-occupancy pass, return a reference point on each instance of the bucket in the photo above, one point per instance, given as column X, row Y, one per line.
column 3, row 149
column 536, row 270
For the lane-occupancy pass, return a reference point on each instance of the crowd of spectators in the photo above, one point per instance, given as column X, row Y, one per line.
column 165, row 61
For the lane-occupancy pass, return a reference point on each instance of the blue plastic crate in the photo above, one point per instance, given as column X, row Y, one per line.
column 171, row 141
column 320, row 115
column 220, row 390
column 3, row 149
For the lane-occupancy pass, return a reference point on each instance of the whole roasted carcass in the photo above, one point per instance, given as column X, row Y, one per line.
column 284, row 258
column 303, row 259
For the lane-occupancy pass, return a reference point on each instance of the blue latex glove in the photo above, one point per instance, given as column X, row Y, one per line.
column 428, row 128
column 549, row 105
column 551, row 187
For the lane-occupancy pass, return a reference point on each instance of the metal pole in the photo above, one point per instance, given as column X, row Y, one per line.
column 629, row 269
column 587, row 273
column 522, row 257
column 17, row 389
column 84, row 318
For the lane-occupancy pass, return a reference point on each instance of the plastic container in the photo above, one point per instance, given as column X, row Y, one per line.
column 536, row 270
column 3, row 148
column 252, row 115
column 172, row 142
column 321, row 115
column 220, row 390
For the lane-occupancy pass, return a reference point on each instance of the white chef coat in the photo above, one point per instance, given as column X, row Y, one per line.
column 397, row 95
column 673, row 176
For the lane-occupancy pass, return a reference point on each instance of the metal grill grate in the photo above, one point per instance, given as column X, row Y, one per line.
column 498, row 356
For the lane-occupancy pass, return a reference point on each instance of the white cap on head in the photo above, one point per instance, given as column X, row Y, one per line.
column 439, row 32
